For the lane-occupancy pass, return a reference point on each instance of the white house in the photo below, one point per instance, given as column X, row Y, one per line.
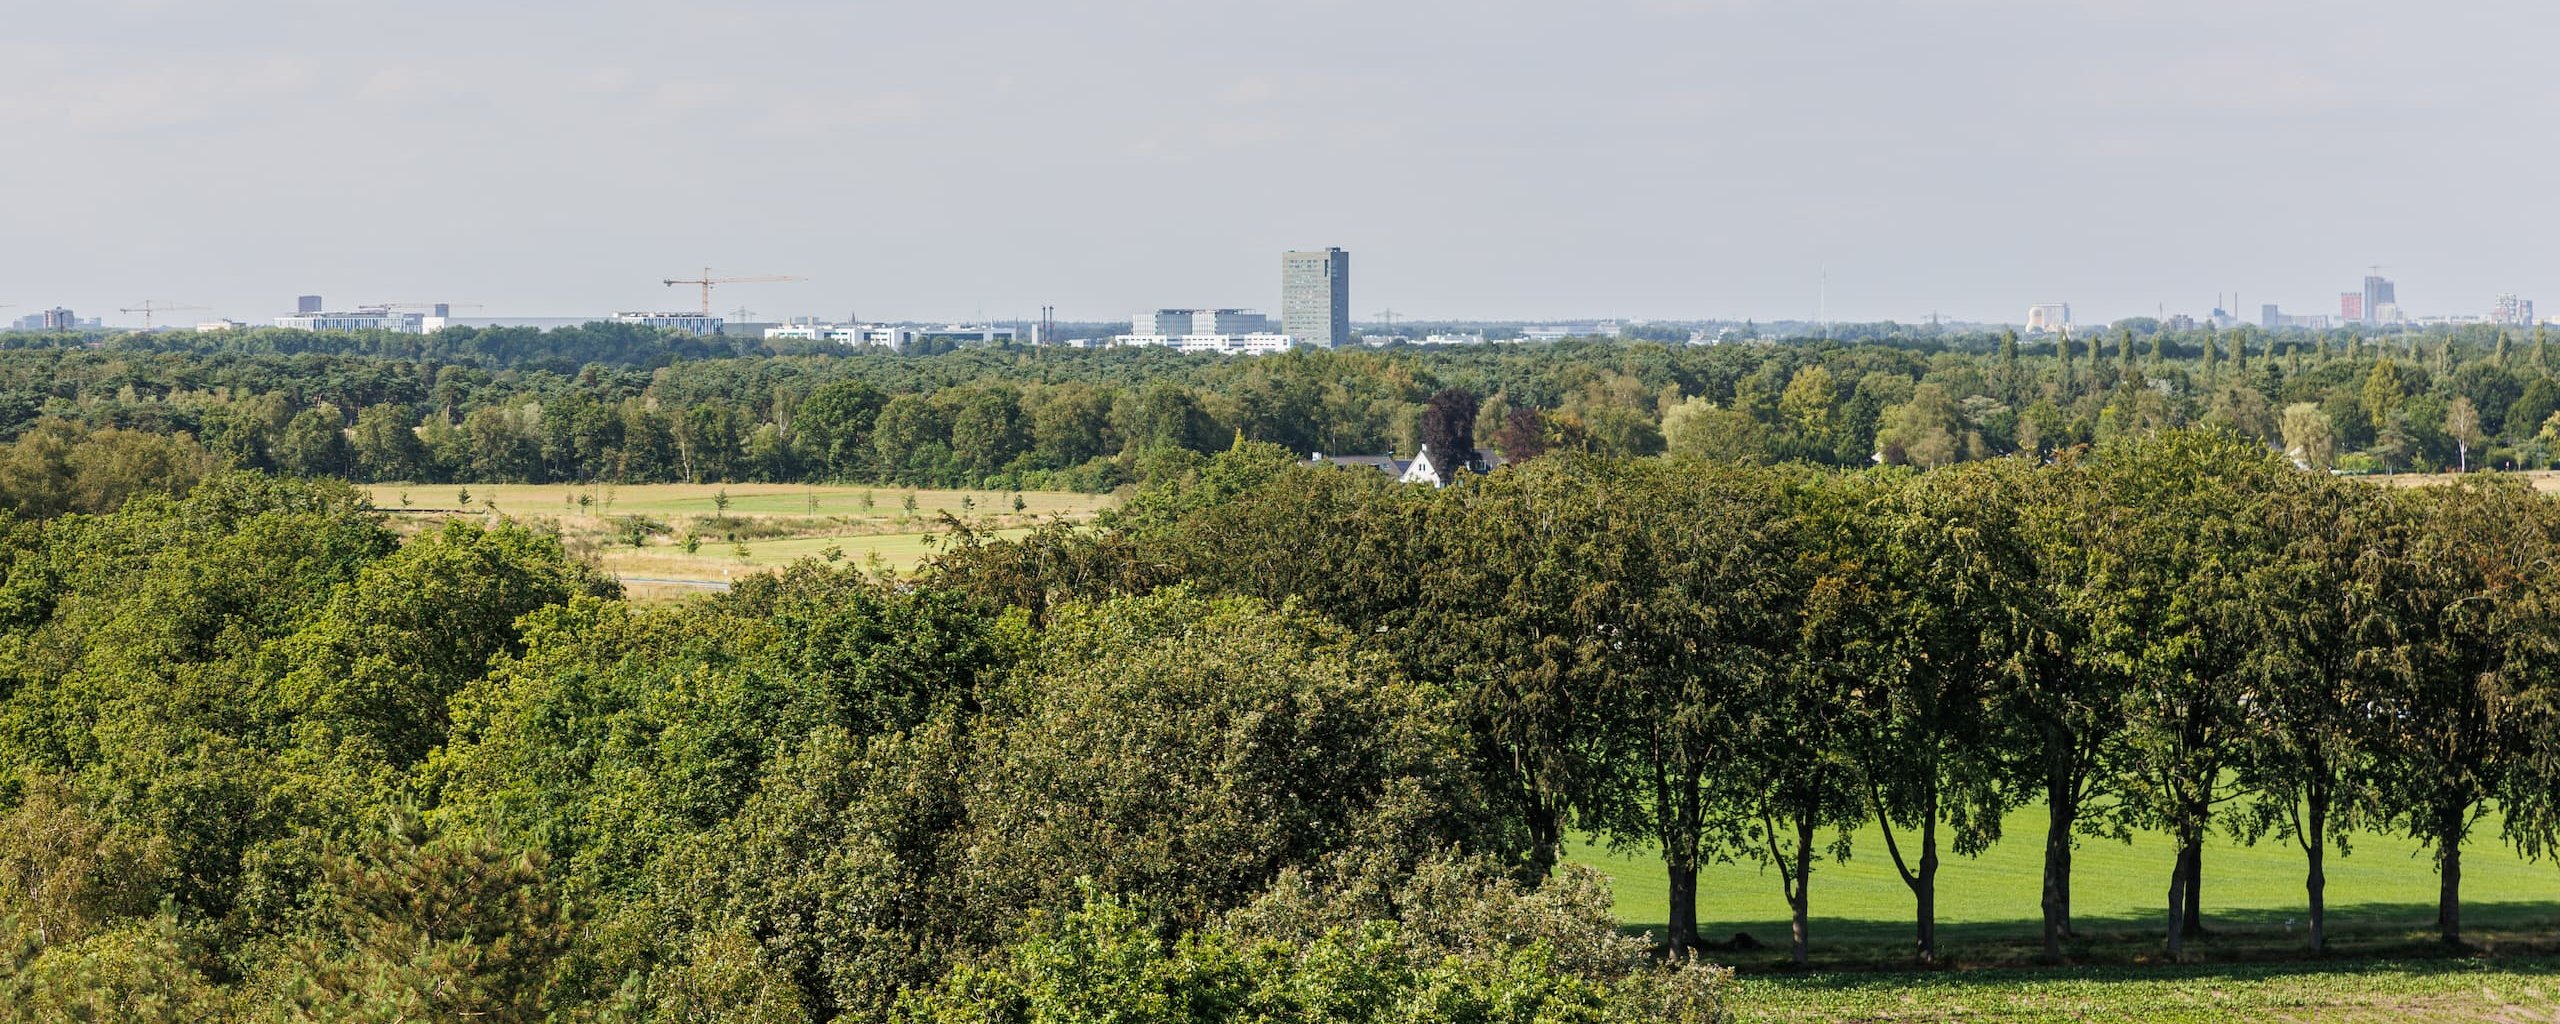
column 1423, row 469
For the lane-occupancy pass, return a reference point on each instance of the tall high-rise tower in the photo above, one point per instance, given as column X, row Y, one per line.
column 2377, row 294
column 1315, row 297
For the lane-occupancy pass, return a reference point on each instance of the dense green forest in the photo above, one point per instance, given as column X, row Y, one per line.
column 622, row 404
column 1270, row 743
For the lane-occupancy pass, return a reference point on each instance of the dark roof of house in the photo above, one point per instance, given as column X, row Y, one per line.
column 1386, row 463
column 1486, row 462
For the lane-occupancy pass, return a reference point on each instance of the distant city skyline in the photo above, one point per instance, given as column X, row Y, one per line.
column 1502, row 159
column 1314, row 305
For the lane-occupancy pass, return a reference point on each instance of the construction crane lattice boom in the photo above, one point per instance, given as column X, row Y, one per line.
column 148, row 307
column 706, row 281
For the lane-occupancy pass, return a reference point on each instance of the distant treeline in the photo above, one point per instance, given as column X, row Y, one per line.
column 628, row 404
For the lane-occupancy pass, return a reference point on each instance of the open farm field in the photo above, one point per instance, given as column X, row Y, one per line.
column 668, row 540
column 2381, row 900
column 2546, row 481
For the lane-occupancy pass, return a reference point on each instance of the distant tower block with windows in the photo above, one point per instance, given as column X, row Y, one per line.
column 2048, row 317
column 1315, row 297
column 2378, row 292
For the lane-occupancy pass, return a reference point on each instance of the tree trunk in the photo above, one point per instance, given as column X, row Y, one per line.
column 1923, row 883
column 2316, row 884
column 1924, row 891
column 1679, row 793
column 2059, row 811
column 2315, row 846
column 2177, row 910
column 1546, row 837
column 1800, row 901
column 1683, row 925
column 2191, row 861
column 2449, row 877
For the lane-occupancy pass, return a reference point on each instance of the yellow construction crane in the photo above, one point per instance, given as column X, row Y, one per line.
column 706, row 281
column 149, row 307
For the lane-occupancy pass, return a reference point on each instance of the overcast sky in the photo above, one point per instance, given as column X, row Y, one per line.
column 1480, row 158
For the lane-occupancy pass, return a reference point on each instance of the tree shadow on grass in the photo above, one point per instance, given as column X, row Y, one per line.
column 2398, row 933
column 2236, row 973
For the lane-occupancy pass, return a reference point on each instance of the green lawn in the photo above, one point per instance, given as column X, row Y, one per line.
column 2370, row 991
column 2381, row 899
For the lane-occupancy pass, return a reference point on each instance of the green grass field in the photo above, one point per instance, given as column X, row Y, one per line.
column 2385, row 966
column 2381, row 899
column 2369, row 992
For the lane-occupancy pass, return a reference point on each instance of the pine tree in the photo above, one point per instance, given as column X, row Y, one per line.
column 430, row 928
column 2209, row 354
column 2009, row 365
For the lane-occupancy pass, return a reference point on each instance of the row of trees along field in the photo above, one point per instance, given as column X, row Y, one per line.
column 613, row 403
column 2178, row 632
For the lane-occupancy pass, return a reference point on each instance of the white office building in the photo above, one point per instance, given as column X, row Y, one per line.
column 1560, row 332
column 2048, row 317
column 688, row 322
column 1257, row 344
column 392, row 320
column 892, row 336
column 1175, row 323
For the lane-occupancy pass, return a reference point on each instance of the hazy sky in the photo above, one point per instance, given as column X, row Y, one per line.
column 1484, row 158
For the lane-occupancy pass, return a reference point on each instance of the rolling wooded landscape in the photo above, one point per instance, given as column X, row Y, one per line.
column 1664, row 732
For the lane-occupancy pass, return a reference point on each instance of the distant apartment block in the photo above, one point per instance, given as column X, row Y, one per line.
column 1559, row 332
column 392, row 320
column 1315, row 297
column 1216, row 344
column 2048, row 317
column 2512, row 312
column 892, row 336
column 2351, row 307
column 1179, row 322
column 2378, row 293
column 55, row 319
column 2275, row 319
column 688, row 322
